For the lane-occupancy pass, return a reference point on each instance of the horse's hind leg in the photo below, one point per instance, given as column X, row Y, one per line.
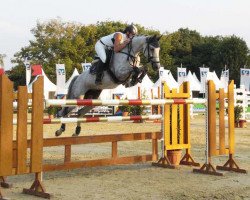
column 60, row 130
column 91, row 94
column 78, row 129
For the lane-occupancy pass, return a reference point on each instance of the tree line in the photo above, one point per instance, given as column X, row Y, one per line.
column 70, row 43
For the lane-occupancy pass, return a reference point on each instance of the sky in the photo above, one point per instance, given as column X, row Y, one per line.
column 213, row 17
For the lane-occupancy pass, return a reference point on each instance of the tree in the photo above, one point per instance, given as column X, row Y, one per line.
column 56, row 41
column 193, row 51
column 232, row 52
column 205, row 53
column 17, row 76
column 248, row 60
column 69, row 43
column 182, row 43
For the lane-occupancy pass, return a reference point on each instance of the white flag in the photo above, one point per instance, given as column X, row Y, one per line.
column 181, row 75
column 224, row 79
column 203, row 76
column 86, row 66
column 28, row 72
column 60, row 79
column 161, row 70
column 245, row 78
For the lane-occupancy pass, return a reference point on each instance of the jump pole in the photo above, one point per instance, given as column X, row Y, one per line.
column 163, row 161
column 97, row 119
column 207, row 168
column 117, row 102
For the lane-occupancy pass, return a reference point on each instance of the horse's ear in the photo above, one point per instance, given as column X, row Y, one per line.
column 158, row 38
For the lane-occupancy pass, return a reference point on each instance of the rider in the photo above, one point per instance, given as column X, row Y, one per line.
column 116, row 41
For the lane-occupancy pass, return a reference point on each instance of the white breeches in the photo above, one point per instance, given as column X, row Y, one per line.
column 100, row 50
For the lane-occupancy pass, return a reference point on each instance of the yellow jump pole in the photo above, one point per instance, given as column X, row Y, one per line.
column 231, row 165
column 210, row 95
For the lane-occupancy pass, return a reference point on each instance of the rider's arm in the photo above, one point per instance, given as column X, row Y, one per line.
column 118, row 46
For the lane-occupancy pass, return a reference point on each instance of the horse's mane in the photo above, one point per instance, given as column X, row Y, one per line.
column 150, row 39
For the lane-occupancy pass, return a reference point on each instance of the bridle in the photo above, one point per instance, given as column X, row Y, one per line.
column 134, row 58
column 150, row 57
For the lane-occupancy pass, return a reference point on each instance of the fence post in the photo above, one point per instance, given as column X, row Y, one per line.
column 21, row 152
column 6, row 130
column 231, row 165
column 154, row 147
column 36, row 148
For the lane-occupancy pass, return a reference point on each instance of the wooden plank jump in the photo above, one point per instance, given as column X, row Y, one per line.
column 175, row 135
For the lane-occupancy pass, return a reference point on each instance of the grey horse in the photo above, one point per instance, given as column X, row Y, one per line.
column 119, row 71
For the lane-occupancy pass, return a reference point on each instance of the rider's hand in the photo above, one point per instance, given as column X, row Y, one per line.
column 127, row 41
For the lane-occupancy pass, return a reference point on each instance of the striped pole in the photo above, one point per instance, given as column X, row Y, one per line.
column 118, row 102
column 97, row 119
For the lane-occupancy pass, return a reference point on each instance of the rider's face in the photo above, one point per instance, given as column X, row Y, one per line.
column 130, row 35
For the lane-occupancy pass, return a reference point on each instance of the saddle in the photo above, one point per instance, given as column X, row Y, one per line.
column 95, row 63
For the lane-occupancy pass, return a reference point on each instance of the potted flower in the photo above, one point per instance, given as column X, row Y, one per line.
column 125, row 110
column 174, row 156
column 237, row 114
column 52, row 112
column 242, row 123
column 137, row 110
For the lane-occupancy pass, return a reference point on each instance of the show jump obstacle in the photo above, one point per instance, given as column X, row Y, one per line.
column 176, row 133
column 13, row 147
column 176, row 125
column 212, row 133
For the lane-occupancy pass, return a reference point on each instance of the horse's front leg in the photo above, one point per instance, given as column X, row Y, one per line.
column 143, row 72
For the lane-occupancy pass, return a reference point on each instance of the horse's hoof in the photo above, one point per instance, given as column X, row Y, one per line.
column 78, row 130
column 58, row 132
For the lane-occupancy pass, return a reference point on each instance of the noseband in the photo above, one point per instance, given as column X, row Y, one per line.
column 150, row 58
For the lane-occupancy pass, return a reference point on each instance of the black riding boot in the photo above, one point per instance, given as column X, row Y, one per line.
column 99, row 73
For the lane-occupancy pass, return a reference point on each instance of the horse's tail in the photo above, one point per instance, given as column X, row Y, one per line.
column 65, row 110
column 70, row 87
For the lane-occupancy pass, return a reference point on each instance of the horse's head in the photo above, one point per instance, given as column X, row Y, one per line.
column 151, row 51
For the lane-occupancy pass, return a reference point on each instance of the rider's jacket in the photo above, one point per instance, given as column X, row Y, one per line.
column 109, row 39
